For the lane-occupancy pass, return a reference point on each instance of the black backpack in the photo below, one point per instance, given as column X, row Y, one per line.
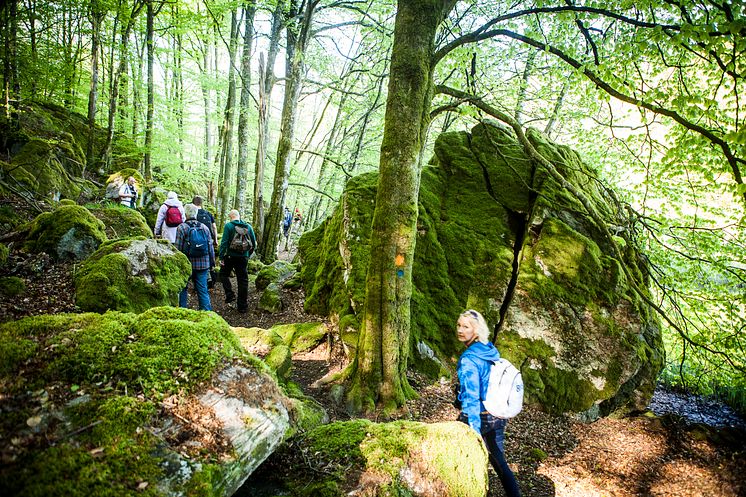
column 241, row 242
column 197, row 243
column 204, row 217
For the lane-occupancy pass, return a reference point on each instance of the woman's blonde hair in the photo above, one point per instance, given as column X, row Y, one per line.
column 483, row 332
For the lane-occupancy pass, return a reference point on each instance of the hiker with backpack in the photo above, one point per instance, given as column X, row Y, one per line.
column 474, row 368
column 170, row 216
column 194, row 240
column 236, row 246
column 128, row 193
column 205, row 217
column 287, row 220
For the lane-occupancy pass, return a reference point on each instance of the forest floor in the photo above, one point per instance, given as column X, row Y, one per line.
column 551, row 455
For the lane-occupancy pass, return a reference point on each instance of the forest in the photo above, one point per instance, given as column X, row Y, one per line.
column 259, row 105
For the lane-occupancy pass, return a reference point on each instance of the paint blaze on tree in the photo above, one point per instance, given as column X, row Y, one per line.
column 378, row 372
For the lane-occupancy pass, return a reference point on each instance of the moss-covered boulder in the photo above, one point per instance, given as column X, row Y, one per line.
column 277, row 272
column 271, row 299
column 131, row 275
column 11, row 286
column 122, row 222
column 497, row 233
column 400, row 458
column 70, row 232
column 47, row 146
column 163, row 403
column 301, row 337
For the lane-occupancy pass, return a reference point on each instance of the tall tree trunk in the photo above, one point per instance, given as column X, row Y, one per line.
column 31, row 7
column 116, row 85
column 226, row 153
column 96, row 17
column 297, row 41
column 378, row 371
column 557, row 106
column 11, row 84
column 521, row 100
column 208, row 107
column 178, row 87
column 266, row 83
column 243, row 119
column 147, row 165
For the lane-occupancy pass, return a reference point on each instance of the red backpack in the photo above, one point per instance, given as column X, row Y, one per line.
column 173, row 216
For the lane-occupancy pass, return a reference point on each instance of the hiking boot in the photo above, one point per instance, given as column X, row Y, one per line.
column 229, row 300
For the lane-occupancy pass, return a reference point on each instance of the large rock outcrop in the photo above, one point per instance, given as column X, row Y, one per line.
column 70, row 232
column 46, row 146
column 164, row 403
column 131, row 275
column 497, row 233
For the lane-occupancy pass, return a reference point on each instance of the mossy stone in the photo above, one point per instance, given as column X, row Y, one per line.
column 434, row 465
column 254, row 265
column 276, row 272
column 11, row 286
column 300, row 337
column 69, row 232
column 280, row 361
column 122, row 222
column 126, row 364
column 271, row 300
column 493, row 224
column 131, row 275
column 252, row 338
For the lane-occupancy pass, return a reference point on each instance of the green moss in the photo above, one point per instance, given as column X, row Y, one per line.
column 271, row 300
column 131, row 275
column 11, row 286
column 67, row 201
column 276, row 272
column 70, row 232
column 103, row 447
column 123, row 222
column 360, row 446
column 163, row 349
column 70, row 469
column 301, row 337
column 280, row 361
column 537, row 454
column 254, row 266
column 557, row 390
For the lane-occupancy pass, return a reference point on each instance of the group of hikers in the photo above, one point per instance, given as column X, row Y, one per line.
column 192, row 229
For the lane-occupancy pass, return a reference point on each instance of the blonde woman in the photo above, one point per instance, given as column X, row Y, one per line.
column 473, row 375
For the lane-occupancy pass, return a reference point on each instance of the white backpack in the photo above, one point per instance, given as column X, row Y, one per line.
column 504, row 397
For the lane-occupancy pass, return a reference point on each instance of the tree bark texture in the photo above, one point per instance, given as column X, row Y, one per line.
column 297, row 42
column 147, row 166
column 243, row 118
column 378, row 375
column 226, row 153
column 266, row 83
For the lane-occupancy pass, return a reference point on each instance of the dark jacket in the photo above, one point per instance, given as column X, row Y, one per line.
column 473, row 376
column 225, row 240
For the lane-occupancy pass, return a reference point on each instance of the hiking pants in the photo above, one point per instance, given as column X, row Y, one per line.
column 493, row 434
column 200, row 285
column 238, row 264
